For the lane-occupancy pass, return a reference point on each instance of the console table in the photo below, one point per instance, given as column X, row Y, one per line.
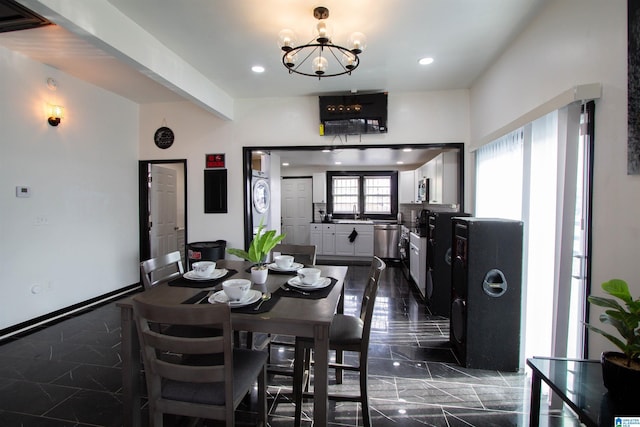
column 579, row 384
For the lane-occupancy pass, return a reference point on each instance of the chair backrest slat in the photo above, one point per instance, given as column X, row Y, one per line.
column 188, row 373
column 150, row 266
column 304, row 254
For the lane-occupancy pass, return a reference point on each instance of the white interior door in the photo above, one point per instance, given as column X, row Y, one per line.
column 297, row 210
column 163, row 200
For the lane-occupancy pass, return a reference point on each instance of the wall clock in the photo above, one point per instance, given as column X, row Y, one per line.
column 163, row 137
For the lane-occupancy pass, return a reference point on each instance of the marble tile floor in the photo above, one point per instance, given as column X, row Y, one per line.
column 68, row 373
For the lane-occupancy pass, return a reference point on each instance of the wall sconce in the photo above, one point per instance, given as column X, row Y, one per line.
column 55, row 113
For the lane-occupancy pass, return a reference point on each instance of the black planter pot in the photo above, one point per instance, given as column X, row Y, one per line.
column 622, row 382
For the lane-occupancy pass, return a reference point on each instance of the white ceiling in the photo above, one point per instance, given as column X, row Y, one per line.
column 222, row 39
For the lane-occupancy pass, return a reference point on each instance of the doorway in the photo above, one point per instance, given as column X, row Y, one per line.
column 297, row 209
column 401, row 157
column 162, row 189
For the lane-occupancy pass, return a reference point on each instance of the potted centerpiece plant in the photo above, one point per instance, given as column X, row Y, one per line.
column 263, row 242
column 620, row 370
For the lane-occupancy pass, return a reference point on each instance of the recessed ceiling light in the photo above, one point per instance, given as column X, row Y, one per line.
column 257, row 69
column 326, row 150
column 399, row 162
column 406, row 150
column 285, row 164
column 338, row 163
column 425, row 61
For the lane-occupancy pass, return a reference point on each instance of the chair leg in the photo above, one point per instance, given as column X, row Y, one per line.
column 339, row 360
column 157, row 418
column 298, row 377
column 262, row 397
column 364, row 394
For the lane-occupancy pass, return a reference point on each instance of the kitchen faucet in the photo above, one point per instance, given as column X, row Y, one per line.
column 355, row 213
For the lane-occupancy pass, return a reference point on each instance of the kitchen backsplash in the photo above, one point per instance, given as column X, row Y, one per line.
column 410, row 211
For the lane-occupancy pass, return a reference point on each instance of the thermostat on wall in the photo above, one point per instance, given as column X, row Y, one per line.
column 23, row 191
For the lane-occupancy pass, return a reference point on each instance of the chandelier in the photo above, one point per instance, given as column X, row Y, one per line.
column 326, row 58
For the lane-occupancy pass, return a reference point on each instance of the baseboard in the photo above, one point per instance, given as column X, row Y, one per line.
column 29, row 326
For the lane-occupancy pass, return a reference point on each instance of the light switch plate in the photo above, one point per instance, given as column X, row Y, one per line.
column 23, row 191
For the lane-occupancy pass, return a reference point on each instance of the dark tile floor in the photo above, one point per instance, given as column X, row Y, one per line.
column 68, row 373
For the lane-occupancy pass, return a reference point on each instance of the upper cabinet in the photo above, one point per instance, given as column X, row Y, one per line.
column 319, row 187
column 442, row 172
column 407, row 187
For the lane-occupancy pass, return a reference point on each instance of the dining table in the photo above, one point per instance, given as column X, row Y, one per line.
column 288, row 311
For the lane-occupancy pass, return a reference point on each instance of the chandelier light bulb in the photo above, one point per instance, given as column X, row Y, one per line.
column 290, row 59
column 286, row 40
column 320, row 65
column 349, row 61
column 357, row 43
column 324, row 32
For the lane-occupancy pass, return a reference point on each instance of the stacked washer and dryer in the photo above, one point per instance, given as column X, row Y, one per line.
column 260, row 200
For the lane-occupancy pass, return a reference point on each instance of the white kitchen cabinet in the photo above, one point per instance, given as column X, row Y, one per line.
column 442, row 172
column 333, row 239
column 328, row 239
column 418, row 261
column 319, row 187
column 315, row 237
column 343, row 246
column 362, row 244
column 407, row 187
column 324, row 237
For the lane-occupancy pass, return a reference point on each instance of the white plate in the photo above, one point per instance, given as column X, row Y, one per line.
column 294, row 267
column 322, row 282
column 217, row 273
column 251, row 297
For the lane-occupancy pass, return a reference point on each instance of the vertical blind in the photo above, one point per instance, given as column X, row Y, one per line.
column 517, row 178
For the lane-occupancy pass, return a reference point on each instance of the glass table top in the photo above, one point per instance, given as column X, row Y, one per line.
column 579, row 383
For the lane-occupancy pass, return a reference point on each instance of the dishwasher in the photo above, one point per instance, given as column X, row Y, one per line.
column 386, row 238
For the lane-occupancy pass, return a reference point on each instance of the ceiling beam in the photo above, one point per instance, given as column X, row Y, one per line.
column 104, row 26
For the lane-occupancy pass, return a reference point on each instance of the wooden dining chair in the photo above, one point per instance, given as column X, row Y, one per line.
column 203, row 377
column 161, row 269
column 347, row 333
column 303, row 254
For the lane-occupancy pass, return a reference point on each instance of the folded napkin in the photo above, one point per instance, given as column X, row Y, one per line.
column 313, row 294
column 186, row 283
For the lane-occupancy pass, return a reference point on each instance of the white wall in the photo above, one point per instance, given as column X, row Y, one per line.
column 576, row 42
column 427, row 117
column 76, row 237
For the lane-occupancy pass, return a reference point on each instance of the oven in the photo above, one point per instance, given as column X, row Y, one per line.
column 404, row 251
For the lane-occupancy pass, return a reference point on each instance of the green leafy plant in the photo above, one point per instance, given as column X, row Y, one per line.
column 260, row 246
column 626, row 321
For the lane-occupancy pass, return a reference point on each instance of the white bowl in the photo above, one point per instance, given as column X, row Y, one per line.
column 203, row 268
column 284, row 261
column 236, row 289
column 309, row 276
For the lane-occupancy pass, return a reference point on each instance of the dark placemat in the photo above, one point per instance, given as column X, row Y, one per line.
column 202, row 298
column 317, row 294
column 266, row 306
column 186, row 283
